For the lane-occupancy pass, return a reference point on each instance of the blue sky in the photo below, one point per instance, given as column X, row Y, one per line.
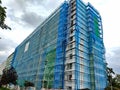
column 23, row 16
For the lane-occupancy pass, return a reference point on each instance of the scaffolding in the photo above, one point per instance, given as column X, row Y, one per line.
column 65, row 52
column 82, row 73
column 61, row 47
column 96, row 49
column 40, row 57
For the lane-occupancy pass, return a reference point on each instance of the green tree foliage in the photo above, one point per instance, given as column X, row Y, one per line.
column 113, row 82
column 2, row 17
column 116, row 81
column 9, row 76
column 110, row 72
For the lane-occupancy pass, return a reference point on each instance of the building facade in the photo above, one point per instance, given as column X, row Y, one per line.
column 65, row 52
column 9, row 61
column 2, row 66
column 6, row 64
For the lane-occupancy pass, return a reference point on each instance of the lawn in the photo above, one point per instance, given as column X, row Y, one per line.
column 2, row 88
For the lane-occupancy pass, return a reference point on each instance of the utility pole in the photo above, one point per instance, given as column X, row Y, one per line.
column 111, row 81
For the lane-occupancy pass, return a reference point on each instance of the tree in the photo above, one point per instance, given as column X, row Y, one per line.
column 2, row 17
column 110, row 72
column 118, row 78
column 4, row 78
column 113, row 82
column 9, row 76
column 116, row 81
column 12, row 76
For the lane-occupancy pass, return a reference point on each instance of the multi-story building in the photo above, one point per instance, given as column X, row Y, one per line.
column 2, row 66
column 6, row 64
column 9, row 61
column 65, row 52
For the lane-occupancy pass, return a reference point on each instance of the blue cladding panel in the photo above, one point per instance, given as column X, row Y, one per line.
column 61, row 46
column 13, row 62
column 82, row 73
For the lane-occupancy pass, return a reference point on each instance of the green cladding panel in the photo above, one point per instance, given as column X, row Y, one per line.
column 96, row 25
column 49, row 69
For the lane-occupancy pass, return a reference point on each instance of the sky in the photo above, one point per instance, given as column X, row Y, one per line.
column 23, row 16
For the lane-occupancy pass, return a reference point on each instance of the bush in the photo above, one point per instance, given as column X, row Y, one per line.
column 9, row 76
column 28, row 84
column 109, row 88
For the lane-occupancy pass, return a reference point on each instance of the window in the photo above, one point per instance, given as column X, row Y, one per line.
column 72, row 16
column 71, row 23
column 71, row 38
column 26, row 47
column 71, row 56
column 71, row 31
column 69, row 88
column 69, row 66
column 73, row 4
column 71, row 46
column 69, row 77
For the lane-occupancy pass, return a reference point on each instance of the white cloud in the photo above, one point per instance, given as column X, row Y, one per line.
column 113, row 58
column 109, row 10
column 6, row 47
column 23, row 16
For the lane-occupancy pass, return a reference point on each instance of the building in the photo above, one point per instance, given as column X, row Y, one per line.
column 66, row 52
column 9, row 61
column 2, row 66
column 6, row 64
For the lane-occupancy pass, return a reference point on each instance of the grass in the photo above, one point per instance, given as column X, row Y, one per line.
column 3, row 88
column 114, row 88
